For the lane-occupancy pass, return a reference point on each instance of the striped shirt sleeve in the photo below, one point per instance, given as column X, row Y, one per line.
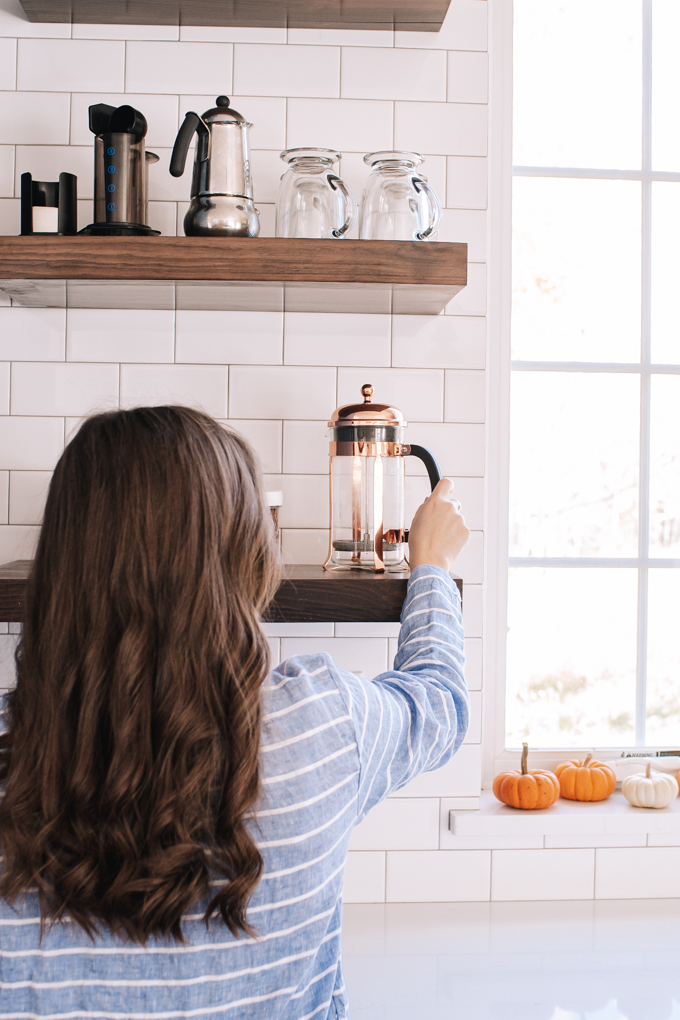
column 413, row 718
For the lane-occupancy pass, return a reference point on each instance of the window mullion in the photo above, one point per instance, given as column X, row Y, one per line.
column 645, row 379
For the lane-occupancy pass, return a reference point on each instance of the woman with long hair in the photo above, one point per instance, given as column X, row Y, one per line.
column 175, row 817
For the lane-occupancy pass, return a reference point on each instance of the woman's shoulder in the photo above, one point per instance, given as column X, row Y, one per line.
column 299, row 677
column 302, row 696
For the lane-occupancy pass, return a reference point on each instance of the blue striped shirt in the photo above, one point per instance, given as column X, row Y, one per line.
column 333, row 746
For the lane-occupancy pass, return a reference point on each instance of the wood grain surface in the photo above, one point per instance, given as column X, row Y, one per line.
column 307, row 594
column 407, row 15
column 264, row 259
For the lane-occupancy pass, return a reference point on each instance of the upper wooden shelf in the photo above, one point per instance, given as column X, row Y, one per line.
column 403, row 277
column 307, row 594
column 403, row 15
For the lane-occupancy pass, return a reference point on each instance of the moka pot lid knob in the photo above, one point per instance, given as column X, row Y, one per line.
column 222, row 113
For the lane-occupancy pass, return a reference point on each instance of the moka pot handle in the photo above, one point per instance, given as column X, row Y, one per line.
column 192, row 122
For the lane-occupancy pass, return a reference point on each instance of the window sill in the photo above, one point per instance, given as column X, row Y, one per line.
column 608, row 818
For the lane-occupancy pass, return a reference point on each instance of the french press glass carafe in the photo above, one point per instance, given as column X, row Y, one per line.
column 367, row 451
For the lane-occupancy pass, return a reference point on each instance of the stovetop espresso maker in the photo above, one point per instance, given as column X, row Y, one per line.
column 121, row 172
column 221, row 188
column 367, row 452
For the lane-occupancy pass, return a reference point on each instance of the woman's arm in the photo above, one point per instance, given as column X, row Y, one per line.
column 414, row 718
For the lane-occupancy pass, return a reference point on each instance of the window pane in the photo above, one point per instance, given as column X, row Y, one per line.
column 665, row 85
column 578, row 83
column 665, row 272
column 576, row 270
column 574, row 441
column 571, row 657
column 664, row 477
column 663, row 658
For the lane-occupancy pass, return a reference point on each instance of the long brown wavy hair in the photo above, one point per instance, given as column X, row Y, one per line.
column 131, row 755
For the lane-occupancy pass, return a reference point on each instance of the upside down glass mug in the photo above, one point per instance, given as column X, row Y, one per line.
column 398, row 204
column 312, row 200
column 367, row 454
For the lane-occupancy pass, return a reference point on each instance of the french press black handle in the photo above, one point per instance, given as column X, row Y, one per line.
column 430, row 462
column 192, row 122
column 433, row 469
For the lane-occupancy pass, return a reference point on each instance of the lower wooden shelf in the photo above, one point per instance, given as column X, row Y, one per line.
column 307, row 594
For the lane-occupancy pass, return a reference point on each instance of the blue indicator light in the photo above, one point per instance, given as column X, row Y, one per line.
column 111, row 206
column 111, row 187
column 111, row 170
column 111, row 151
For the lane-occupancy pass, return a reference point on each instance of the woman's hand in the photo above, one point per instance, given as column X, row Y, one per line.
column 438, row 533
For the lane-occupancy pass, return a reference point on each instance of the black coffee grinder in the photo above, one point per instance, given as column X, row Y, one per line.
column 121, row 172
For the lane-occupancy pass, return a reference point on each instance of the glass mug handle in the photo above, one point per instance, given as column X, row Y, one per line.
column 430, row 462
column 434, row 206
column 349, row 203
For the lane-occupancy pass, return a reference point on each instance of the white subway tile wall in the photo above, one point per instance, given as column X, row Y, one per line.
column 170, row 67
column 468, row 77
column 364, row 875
column 393, row 74
column 6, row 170
column 346, row 124
column 287, row 70
column 70, row 65
column 4, row 498
column 4, row 387
column 466, row 187
column 120, row 335
column 27, row 495
column 236, row 338
column 8, row 64
column 416, row 877
column 274, row 377
column 32, row 334
column 399, row 824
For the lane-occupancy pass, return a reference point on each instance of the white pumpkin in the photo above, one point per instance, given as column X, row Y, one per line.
column 650, row 790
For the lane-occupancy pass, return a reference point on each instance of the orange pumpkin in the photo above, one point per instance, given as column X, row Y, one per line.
column 585, row 780
column 524, row 789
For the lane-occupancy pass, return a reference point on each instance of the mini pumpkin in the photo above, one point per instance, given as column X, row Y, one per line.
column 585, row 780
column 650, row 790
column 524, row 789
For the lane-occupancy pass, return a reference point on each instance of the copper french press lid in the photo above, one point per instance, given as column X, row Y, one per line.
column 367, row 413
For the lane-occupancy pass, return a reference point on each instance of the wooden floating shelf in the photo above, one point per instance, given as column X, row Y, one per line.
column 404, row 15
column 307, row 594
column 236, row 273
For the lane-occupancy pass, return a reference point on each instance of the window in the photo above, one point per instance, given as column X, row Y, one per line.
column 593, row 654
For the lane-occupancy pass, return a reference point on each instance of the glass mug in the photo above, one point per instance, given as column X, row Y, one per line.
column 398, row 204
column 312, row 200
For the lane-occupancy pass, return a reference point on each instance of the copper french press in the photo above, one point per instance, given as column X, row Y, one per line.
column 367, row 452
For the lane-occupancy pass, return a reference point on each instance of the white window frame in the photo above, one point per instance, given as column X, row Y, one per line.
column 501, row 173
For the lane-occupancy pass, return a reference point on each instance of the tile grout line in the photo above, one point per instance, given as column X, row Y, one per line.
column 594, row 871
